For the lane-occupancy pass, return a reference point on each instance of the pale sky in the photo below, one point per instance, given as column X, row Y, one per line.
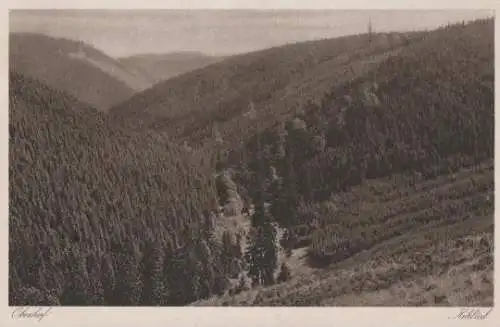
column 123, row 33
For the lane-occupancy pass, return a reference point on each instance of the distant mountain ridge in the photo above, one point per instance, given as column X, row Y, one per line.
column 174, row 55
column 159, row 67
column 74, row 67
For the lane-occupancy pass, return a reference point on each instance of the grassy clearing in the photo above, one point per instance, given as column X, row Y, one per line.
column 467, row 281
column 364, row 224
column 431, row 248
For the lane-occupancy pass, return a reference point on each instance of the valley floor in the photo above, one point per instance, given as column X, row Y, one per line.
column 446, row 261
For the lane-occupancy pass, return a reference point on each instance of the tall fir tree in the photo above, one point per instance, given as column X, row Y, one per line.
column 262, row 252
column 176, row 277
column 108, row 280
column 284, row 274
column 152, row 272
column 284, row 190
column 77, row 290
column 128, row 281
column 96, row 288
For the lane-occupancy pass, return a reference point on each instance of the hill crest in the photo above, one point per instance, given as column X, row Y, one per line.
column 74, row 67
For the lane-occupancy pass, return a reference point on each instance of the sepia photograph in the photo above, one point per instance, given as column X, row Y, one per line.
column 251, row 158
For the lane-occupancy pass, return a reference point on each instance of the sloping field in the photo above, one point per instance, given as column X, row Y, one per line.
column 431, row 244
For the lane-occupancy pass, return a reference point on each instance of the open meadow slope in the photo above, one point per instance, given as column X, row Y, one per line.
column 431, row 243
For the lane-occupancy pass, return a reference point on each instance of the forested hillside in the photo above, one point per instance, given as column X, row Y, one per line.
column 372, row 155
column 101, row 219
column 429, row 110
column 420, row 115
column 226, row 99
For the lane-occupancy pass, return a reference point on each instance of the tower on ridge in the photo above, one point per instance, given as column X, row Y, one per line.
column 370, row 29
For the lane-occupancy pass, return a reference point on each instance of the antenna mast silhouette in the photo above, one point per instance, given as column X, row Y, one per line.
column 370, row 29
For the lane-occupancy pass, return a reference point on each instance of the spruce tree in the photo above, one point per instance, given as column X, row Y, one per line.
column 284, row 190
column 284, row 274
column 128, row 282
column 15, row 285
column 176, row 277
column 288, row 241
column 262, row 252
column 108, row 280
column 77, row 290
column 227, row 253
column 96, row 288
column 152, row 271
